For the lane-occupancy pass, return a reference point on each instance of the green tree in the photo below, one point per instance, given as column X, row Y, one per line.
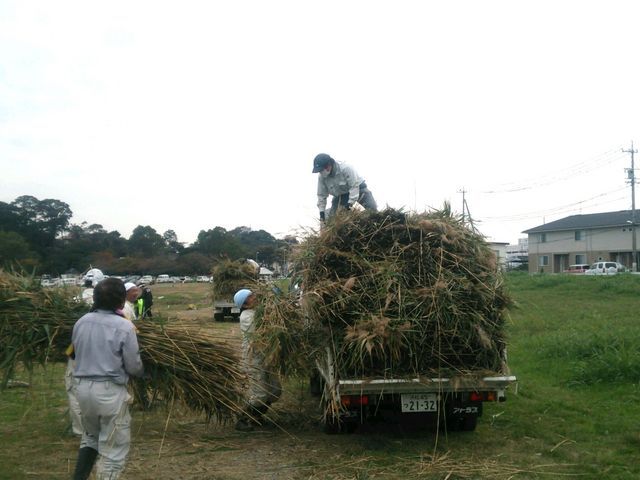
column 146, row 241
column 41, row 220
column 15, row 251
column 171, row 240
column 218, row 242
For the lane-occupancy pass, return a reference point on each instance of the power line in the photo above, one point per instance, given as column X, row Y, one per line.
column 559, row 209
column 570, row 172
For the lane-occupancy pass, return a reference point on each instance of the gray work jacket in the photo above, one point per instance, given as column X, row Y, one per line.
column 106, row 348
column 343, row 179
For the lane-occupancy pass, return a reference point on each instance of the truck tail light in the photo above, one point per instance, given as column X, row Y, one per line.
column 354, row 400
column 483, row 396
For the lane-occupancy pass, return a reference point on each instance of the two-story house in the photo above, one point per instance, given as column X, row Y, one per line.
column 581, row 239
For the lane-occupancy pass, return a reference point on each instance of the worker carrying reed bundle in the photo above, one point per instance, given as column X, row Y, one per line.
column 106, row 355
column 263, row 386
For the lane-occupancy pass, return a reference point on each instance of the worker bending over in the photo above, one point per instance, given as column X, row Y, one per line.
column 343, row 183
column 264, row 386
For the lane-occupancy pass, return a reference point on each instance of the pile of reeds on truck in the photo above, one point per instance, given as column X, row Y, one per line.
column 391, row 293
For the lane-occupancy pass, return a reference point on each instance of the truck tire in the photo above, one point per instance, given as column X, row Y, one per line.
column 468, row 423
column 218, row 317
column 333, row 426
column 316, row 384
column 451, row 423
column 461, row 423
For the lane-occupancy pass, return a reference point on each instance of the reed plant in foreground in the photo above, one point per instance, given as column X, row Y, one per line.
column 182, row 362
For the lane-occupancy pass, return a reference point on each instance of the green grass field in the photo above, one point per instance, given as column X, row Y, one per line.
column 574, row 344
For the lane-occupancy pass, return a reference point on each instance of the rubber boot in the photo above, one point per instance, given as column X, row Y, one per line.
column 258, row 414
column 86, row 459
column 244, row 424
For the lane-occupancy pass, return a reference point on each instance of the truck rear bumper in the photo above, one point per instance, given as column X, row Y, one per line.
column 424, row 385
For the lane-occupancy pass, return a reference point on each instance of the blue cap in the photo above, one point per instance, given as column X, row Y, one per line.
column 241, row 296
column 320, row 162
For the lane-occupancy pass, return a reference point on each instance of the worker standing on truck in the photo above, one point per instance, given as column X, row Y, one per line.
column 107, row 353
column 264, row 386
column 343, row 183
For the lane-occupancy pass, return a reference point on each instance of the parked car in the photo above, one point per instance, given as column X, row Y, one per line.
column 147, row 279
column 203, row 279
column 605, row 268
column 164, row 278
column 578, row 268
column 132, row 278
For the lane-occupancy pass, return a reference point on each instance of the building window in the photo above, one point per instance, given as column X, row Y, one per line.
column 581, row 259
column 543, row 238
column 579, row 235
column 543, row 260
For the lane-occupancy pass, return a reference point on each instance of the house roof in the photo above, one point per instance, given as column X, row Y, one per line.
column 591, row 220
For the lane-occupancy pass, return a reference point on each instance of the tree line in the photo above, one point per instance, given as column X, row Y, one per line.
column 38, row 236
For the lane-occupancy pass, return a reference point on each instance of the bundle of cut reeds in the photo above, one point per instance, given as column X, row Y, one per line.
column 395, row 294
column 229, row 276
column 188, row 363
column 181, row 362
column 35, row 323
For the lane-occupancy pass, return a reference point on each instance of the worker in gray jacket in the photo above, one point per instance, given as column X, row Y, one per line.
column 343, row 183
column 107, row 353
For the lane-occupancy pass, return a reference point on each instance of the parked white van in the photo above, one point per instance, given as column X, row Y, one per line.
column 605, row 268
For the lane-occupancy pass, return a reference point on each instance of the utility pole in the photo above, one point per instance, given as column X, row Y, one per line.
column 464, row 203
column 631, row 177
column 465, row 208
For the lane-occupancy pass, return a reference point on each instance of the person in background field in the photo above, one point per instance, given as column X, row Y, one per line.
column 145, row 302
column 264, row 386
column 107, row 354
column 343, row 183
column 129, row 310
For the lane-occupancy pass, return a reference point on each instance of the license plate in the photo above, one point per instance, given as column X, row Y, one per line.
column 419, row 402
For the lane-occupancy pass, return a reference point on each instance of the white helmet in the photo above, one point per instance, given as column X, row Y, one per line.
column 254, row 264
column 95, row 275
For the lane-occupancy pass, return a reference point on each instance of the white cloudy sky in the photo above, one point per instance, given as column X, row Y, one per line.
column 193, row 114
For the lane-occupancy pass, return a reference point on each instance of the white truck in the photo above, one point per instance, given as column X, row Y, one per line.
column 455, row 402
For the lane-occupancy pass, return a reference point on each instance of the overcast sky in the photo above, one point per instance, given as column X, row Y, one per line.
column 195, row 114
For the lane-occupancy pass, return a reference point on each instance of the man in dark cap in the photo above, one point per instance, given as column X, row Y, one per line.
column 343, row 183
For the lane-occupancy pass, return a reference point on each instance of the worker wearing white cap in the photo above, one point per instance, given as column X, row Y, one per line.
column 107, row 354
column 343, row 183
column 264, row 387
column 133, row 293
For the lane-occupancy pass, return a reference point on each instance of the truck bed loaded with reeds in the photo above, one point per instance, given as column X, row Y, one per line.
column 401, row 315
